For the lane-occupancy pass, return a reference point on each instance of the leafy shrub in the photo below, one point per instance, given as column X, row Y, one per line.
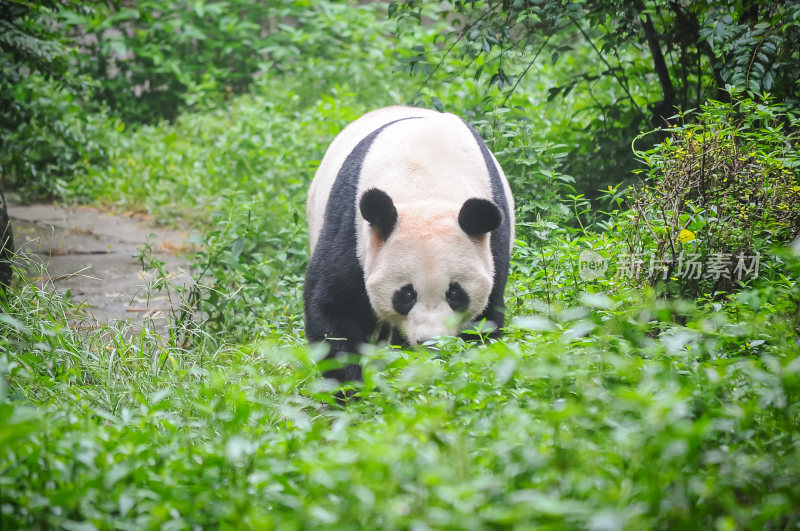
column 150, row 56
column 42, row 101
column 250, row 273
column 719, row 203
column 56, row 139
column 152, row 59
column 610, row 69
column 624, row 411
column 723, row 188
column 755, row 49
column 148, row 61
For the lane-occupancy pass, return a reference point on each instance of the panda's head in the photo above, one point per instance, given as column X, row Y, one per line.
column 428, row 266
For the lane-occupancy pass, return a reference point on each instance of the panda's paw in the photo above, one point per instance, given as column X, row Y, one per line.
column 343, row 397
column 347, row 373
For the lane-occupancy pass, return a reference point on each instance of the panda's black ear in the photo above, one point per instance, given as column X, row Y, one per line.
column 377, row 208
column 479, row 216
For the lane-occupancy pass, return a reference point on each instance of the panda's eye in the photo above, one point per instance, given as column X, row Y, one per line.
column 456, row 297
column 404, row 299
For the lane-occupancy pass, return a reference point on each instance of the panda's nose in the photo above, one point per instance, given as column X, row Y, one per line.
column 415, row 339
column 422, row 338
column 427, row 323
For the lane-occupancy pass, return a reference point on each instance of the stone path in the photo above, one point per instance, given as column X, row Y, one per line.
column 94, row 255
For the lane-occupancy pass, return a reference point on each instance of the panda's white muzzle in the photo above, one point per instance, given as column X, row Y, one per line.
column 425, row 322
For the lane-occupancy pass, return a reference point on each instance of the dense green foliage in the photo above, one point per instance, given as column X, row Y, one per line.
column 153, row 58
column 729, row 182
column 43, row 123
column 609, row 416
column 618, row 66
column 625, row 394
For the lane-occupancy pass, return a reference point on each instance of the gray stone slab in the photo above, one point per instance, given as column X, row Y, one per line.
column 94, row 257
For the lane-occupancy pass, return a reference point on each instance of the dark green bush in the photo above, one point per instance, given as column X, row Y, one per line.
column 119, row 64
column 609, row 68
column 149, row 57
column 719, row 202
column 152, row 59
column 43, row 102
column 56, row 140
column 723, row 187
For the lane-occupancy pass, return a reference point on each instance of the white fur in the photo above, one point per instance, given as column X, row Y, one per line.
column 429, row 167
column 338, row 151
column 429, row 251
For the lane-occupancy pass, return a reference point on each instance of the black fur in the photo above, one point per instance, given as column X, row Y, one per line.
column 378, row 208
column 337, row 307
column 456, row 297
column 501, row 240
column 6, row 245
column 479, row 216
column 404, row 299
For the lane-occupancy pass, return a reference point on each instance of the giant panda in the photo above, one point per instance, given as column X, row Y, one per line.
column 411, row 226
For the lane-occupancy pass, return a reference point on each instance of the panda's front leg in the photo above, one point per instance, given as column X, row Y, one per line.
column 338, row 313
column 350, row 372
column 344, row 333
column 494, row 314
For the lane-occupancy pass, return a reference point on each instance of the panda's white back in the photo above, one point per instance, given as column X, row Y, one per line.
column 340, row 148
column 434, row 159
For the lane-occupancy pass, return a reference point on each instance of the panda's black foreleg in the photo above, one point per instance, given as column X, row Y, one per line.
column 337, row 309
column 342, row 343
column 330, row 330
column 344, row 327
column 349, row 373
column 495, row 314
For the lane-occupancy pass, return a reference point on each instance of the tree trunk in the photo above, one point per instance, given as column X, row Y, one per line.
column 6, row 244
column 665, row 108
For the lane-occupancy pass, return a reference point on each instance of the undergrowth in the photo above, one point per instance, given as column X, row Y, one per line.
column 624, row 394
column 623, row 411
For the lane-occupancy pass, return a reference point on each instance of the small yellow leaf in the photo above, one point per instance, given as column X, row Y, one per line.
column 686, row 236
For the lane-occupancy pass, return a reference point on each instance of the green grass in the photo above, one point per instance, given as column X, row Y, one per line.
column 604, row 417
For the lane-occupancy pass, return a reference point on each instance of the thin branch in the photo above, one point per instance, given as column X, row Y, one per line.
column 613, row 71
column 453, row 45
column 755, row 52
column 524, row 73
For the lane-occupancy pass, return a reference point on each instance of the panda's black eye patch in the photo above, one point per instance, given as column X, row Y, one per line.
column 404, row 299
column 456, row 297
